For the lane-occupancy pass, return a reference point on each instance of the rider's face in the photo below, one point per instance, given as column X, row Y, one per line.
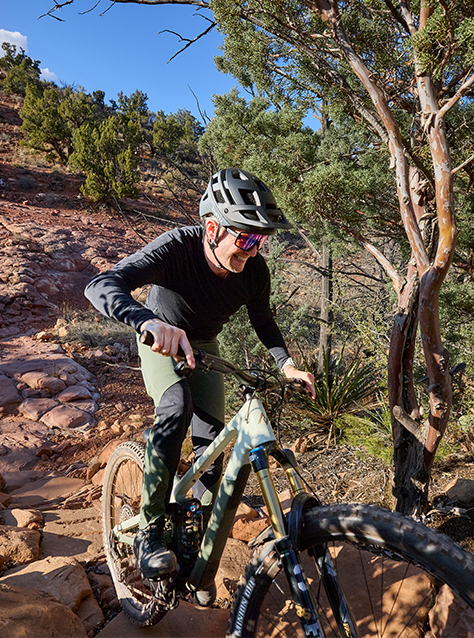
column 230, row 256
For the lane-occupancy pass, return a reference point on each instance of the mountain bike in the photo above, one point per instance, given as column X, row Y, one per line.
column 318, row 570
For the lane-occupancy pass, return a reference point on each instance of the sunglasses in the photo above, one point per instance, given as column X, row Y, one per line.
column 246, row 241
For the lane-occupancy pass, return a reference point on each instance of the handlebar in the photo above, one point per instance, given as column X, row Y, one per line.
column 208, row 362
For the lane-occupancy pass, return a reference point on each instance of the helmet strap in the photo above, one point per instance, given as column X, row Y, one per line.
column 213, row 245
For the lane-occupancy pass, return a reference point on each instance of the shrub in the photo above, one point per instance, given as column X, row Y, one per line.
column 110, row 164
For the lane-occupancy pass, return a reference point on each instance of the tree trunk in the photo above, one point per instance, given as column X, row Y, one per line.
column 326, row 315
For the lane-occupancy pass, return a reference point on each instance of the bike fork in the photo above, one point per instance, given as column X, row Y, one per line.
column 287, row 542
column 300, row 591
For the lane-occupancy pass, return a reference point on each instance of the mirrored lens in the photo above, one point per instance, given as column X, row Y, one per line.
column 246, row 241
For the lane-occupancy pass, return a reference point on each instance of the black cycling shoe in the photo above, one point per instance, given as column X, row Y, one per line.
column 153, row 559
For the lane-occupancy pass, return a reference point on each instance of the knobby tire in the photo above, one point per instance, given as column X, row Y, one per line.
column 400, row 579
column 121, row 500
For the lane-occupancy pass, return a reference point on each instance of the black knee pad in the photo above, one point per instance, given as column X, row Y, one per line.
column 174, row 413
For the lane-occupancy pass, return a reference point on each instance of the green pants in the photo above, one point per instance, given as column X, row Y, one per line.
column 197, row 400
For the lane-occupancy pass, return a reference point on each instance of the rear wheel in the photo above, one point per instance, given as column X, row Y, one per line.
column 399, row 578
column 121, row 500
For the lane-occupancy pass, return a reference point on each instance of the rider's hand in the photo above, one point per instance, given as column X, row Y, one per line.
column 168, row 339
column 293, row 373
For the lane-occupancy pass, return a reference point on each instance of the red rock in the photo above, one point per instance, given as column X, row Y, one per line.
column 5, row 499
column 64, row 578
column 105, row 454
column 35, row 494
column 98, row 478
column 32, row 378
column 19, row 545
column 35, row 408
column 185, row 621
column 44, row 451
column 9, row 395
column 65, row 416
column 31, row 519
column 73, row 393
column 32, row 613
column 51, row 384
column 65, row 445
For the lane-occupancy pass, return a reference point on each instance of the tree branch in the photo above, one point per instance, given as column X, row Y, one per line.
column 458, row 168
column 189, row 42
column 460, row 93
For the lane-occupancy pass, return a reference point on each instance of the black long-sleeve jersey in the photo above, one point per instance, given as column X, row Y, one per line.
column 185, row 292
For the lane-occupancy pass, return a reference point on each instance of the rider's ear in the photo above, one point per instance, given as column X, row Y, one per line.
column 212, row 227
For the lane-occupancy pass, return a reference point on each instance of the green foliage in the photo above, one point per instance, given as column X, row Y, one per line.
column 451, row 30
column 19, row 69
column 457, row 320
column 372, row 432
column 51, row 116
column 110, row 163
column 341, row 390
column 134, row 118
column 170, row 131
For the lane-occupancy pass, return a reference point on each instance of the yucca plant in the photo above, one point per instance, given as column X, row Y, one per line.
column 340, row 391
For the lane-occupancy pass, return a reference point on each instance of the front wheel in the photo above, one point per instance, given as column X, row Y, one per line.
column 121, row 499
column 399, row 579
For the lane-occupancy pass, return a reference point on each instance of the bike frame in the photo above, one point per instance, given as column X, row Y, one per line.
column 254, row 443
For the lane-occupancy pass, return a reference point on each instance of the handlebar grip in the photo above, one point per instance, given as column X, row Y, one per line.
column 147, row 338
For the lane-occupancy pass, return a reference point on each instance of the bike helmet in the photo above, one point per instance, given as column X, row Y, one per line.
column 239, row 199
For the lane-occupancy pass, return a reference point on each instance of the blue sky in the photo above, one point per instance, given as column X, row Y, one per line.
column 121, row 50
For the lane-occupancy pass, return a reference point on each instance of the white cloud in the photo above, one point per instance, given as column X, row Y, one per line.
column 46, row 74
column 14, row 37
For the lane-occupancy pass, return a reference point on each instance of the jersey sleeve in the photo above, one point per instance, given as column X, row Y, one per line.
column 261, row 318
column 110, row 292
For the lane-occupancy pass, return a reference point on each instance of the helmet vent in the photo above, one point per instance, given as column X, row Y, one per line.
column 248, row 197
column 275, row 217
column 262, row 186
column 219, row 197
column 230, row 199
column 249, row 215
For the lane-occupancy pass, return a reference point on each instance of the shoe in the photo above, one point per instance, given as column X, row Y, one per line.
column 153, row 559
column 205, row 597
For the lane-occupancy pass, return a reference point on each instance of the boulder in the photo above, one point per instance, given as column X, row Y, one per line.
column 25, row 613
column 51, row 384
column 235, row 557
column 73, row 393
column 460, row 490
column 65, row 417
column 449, row 617
column 19, row 545
column 65, row 579
column 106, row 453
column 9, row 395
column 245, row 528
column 94, row 467
column 32, row 378
column 35, row 408
column 31, row 519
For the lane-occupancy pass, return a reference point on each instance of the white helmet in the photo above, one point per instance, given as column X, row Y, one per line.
column 239, row 199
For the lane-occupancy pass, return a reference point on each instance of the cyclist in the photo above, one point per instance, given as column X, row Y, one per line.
column 200, row 276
